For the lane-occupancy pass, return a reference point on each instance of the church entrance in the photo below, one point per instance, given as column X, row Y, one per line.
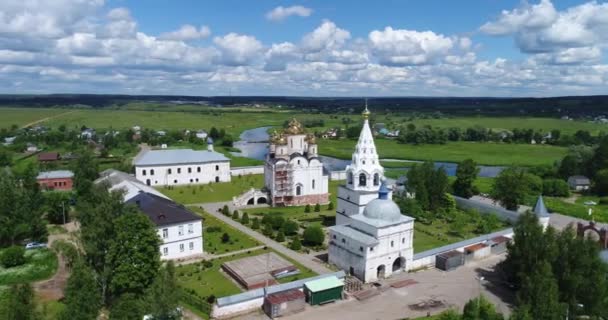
column 381, row 270
column 399, row 264
column 262, row 200
column 148, row 182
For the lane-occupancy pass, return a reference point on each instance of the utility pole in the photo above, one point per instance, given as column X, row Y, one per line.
column 63, row 211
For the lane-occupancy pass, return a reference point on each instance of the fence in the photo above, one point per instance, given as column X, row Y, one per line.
column 487, row 208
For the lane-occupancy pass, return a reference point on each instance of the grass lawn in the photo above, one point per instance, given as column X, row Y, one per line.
column 41, row 264
column 482, row 153
column 212, row 240
column 23, row 116
column 51, row 310
column 483, row 184
column 213, row 192
column 578, row 209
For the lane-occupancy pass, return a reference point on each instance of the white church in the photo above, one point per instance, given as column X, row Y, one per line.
column 293, row 172
column 371, row 239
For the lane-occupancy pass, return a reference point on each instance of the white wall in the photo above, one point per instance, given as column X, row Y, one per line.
column 160, row 176
column 232, row 310
column 244, row 171
column 173, row 240
column 337, row 175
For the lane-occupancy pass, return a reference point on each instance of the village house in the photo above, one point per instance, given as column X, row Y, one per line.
column 56, row 180
column 579, row 183
column 45, row 157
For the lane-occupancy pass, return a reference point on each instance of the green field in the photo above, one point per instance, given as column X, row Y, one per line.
column 41, row 264
column 500, row 154
column 23, row 116
column 578, row 209
column 212, row 241
column 213, row 192
column 483, row 184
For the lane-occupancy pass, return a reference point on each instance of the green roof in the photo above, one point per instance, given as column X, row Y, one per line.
column 324, row 284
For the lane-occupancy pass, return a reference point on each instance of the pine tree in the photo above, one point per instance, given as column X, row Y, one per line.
column 330, row 206
column 268, row 230
column 466, row 173
column 280, row 236
column 226, row 211
column 317, row 207
column 255, row 225
column 296, row 244
column 245, row 218
column 235, row 215
column 307, row 208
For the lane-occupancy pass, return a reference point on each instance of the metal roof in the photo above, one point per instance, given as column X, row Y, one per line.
column 461, row 244
column 540, row 209
column 581, row 180
column 57, row 174
column 118, row 180
column 324, row 284
column 259, row 293
column 161, row 211
column 355, row 234
column 178, row 156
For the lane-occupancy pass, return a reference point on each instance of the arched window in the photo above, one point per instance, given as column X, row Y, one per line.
column 198, row 169
column 217, row 179
column 313, row 183
column 298, row 190
column 189, row 170
column 376, row 179
column 143, row 172
column 217, row 168
column 362, row 180
column 151, row 172
column 349, row 178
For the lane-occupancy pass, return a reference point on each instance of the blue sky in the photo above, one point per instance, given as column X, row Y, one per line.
column 306, row 48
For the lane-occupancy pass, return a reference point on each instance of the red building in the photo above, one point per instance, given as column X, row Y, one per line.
column 48, row 156
column 56, row 180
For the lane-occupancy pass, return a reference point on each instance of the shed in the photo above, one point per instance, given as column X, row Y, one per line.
column 477, row 251
column 579, row 183
column 324, row 290
column 498, row 245
column 284, row 303
column 450, row 260
column 48, row 156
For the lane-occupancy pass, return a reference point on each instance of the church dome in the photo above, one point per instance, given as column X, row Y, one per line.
column 382, row 209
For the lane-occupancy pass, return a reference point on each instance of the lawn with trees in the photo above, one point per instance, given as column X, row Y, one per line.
column 214, row 229
column 213, row 192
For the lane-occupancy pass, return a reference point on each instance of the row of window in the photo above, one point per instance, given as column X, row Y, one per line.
column 60, row 183
column 148, row 182
column 180, row 231
column 371, row 249
column 363, row 179
column 181, row 248
column 299, row 188
column 179, row 170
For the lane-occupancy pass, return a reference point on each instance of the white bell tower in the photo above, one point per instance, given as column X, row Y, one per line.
column 363, row 176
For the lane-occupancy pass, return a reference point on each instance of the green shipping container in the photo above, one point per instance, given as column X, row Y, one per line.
column 323, row 290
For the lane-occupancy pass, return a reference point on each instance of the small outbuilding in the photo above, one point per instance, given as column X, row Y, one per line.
column 579, row 183
column 284, row 303
column 498, row 245
column 324, row 290
column 48, row 157
column 450, row 260
column 477, row 252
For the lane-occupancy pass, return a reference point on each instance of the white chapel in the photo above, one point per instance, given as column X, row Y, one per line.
column 371, row 239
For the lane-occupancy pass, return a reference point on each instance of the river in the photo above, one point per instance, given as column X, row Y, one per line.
column 253, row 144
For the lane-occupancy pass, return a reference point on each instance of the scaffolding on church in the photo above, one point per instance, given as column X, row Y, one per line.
column 283, row 180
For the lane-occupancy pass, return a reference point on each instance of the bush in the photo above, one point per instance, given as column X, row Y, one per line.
column 317, row 207
column 245, row 218
column 307, row 209
column 290, row 227
column 314, row 236
column 330, row 206
column 255, row 224
column 12, row 257
column 280, row 237
column 555, row 188
column 235, row 215
column 225, row 238
column 296, row 244
column 226, row 211
column 268, row 231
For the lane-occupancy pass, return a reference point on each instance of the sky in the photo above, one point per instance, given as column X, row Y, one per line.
column 306, row 48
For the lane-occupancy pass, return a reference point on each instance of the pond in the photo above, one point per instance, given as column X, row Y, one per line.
column 253, row 144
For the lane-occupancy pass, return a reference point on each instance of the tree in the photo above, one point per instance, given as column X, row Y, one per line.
column 12, row 257
column 480, row 309
column 280, row 236
column 225, row 238
column 235, row 215
column 510, row 188
column 449, row 315
column 330, row 206
column 82, row 296
column 268, row 230
column 85, row 172
column 307, row 208
column 226, row 211
column 317, row 207
column 290, row 227
column 133, row 255
column 601, row 182
column 539, row 291
column 255, row 224
column 296, row 245
column 57, row 206
column 245, row 218
column 20, row 303
column 466, row 173
column 556, row 188
column 163, row 296
column 314, row 236
column 127, row 307
column 5, row 158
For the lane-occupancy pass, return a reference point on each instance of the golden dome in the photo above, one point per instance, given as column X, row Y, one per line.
column 311, row 138
column 366, row 112
column 294, row 127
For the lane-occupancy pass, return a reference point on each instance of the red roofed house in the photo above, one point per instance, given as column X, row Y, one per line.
column 48, row 156
column 56, row 180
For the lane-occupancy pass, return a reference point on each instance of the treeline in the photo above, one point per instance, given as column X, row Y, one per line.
column 429, row 135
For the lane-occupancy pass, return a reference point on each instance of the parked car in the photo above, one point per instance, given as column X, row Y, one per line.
column 590, row 203
column 35, row 245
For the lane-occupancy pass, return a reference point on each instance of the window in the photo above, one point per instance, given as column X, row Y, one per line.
column 191, row 245
column 371, row 249
column 217, row 179
column 343, row 240
column 165, row 251
column 180, row 230
column 196, row 179
column 143, row 172
column 403, row 240
column 217, row 168
column 198, row 169
column 392, row 244
column 376, row 179
column 175, row 181
column 349, row 178
column 362, row 180
column 298, row 190
column 191, row 180
column 151, row 172
column 179, row 170
column 313, row 183
column 165, row 233
column 334, row 236
column 189, row 170
column 181, row 247
column 363, row 162
column 169, row 171
column 190, row 228
column 361, row 249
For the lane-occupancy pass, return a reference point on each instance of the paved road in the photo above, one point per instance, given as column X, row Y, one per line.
column 307, row 261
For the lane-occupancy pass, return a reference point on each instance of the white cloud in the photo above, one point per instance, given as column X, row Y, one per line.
column 326, row 36
column 238, row 49
column 279, row 55
column 537, row 16
column 187, row 32
column 281, row 13
column 408, row 47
